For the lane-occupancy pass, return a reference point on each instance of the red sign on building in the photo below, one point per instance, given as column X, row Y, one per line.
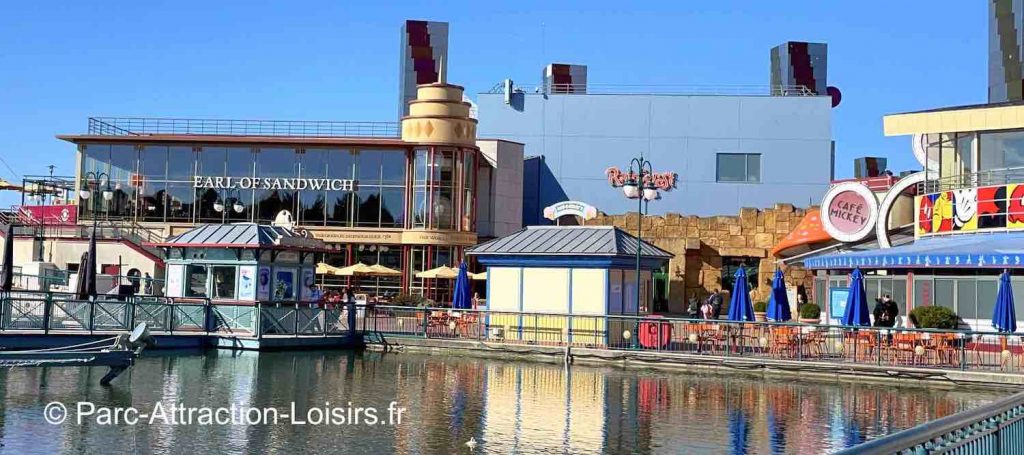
column 56, row 215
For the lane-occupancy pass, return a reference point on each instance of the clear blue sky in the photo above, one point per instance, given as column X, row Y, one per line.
column 61, row 62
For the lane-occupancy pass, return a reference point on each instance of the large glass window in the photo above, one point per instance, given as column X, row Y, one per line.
column 152, row 182
column 419, row 207
column 181, row 195
column 339, row 203
column 944, row 295
column 313, row 204
column 443, row 191
column 739, row 167
column 96, row 160
column 224, row 282
column 967, row 298
column 987, row 290
column 468, row 186
column 1001, row 150
column 275, row 163
column 124, row 160
column 195, row 280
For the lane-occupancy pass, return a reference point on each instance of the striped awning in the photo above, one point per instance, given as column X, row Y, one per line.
column 995, row 251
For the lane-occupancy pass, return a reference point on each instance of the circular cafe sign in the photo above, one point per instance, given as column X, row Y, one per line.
column 849, row 211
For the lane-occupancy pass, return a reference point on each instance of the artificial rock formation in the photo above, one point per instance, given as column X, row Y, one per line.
column 700, row 243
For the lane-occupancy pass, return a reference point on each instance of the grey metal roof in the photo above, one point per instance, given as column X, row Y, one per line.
column 242, row 235
column 568, row 241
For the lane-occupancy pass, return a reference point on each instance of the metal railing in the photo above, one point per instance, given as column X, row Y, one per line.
column 51, row 312
column 666, row 89
column 996, row 428
column 139, row 126
column 990, row 177
column 898, row 347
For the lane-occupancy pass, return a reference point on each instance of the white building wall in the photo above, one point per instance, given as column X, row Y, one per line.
column 504, row 193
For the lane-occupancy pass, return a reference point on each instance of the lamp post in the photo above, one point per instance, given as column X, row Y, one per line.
column 95, row 179
column 639, row 186
column 221, row 205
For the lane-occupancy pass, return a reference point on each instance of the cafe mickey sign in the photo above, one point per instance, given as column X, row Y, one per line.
column 849, row 211
column 258, row 183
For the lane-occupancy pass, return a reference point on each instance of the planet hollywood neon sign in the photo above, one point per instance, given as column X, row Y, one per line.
column 664, row 181
column 259, row 183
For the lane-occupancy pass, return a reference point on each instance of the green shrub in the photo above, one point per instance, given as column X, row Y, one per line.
column 934, row 317
column 760, row 307
column 408, row 300
column 810, row 311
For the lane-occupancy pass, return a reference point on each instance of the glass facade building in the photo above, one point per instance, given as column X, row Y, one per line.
column 404, row 188
column 400, row 195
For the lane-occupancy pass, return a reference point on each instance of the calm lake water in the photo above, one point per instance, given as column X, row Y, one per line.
column 508, row 407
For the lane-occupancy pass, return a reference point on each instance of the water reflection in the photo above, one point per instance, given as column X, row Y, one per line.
column 508, row 407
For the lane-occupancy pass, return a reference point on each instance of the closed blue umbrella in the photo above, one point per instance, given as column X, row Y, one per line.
column 740, row 308
column 857, row 312
column 778, row 304
column 7, row 263
column 1004, row 318
column 461, row 296
column 87, row 271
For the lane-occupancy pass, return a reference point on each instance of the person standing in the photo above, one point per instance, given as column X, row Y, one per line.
column 886, row 311
column 693, row 307
column 716, row 303
column 147, row 282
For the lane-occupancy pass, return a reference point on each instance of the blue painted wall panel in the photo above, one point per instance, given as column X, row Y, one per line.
column 582, row 135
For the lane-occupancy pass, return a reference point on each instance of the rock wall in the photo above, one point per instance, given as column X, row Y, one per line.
column 700, row 243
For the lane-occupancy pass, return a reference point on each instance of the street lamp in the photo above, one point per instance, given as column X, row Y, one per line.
column 221, row 204
column 639, row 186
column 95, row 179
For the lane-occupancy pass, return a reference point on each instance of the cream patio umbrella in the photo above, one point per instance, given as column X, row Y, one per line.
column 380, row 270
column 357, row 269
column 326, row 269
column 440, row 273
column 478, row 276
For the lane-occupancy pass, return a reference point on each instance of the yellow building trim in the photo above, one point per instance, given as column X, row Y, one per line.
column 954, row 120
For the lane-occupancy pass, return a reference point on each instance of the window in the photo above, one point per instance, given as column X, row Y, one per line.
column 739, row 167
column 731, row 264
column 224, row 282
column 195, row 281
column 153, row 182
column 1002, row 150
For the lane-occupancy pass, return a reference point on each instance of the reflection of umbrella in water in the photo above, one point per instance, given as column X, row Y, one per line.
column 739, row 430
column 776, row 431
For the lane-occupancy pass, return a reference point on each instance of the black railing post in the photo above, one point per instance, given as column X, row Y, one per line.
column 878, row 347
column 92, row 314
column 295, row 319
column 426, row 321
column 47, row 311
